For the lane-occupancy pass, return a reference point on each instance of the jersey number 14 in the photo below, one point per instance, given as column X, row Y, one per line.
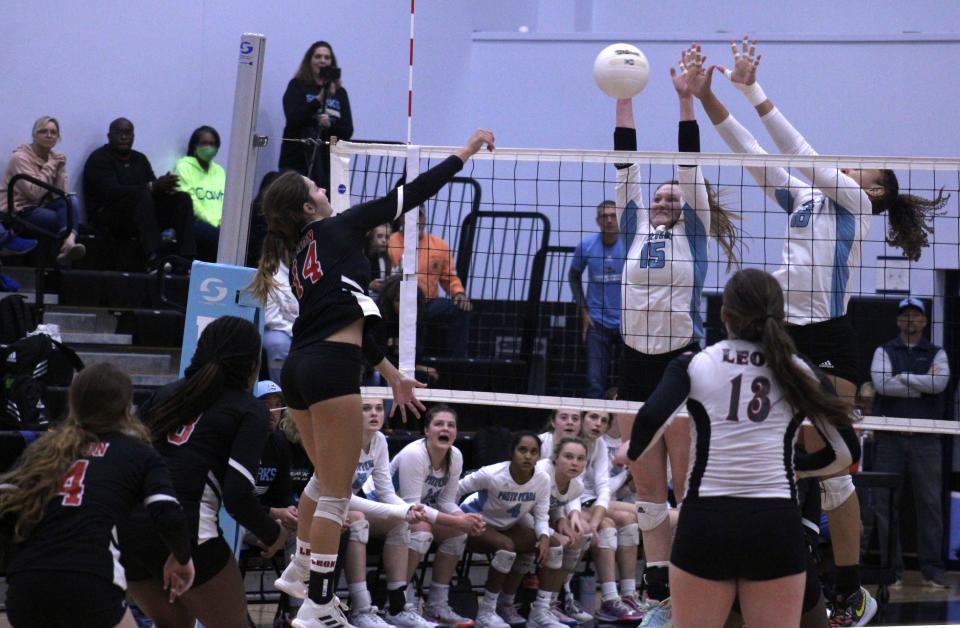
column 312, row 271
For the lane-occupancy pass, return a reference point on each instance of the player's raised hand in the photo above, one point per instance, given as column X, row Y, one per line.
column 745, row 62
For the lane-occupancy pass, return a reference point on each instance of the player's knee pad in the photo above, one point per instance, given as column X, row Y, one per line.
column 312, row 489
column 607, row 538
column 454, row 546
column 651, row 514
column 835, row 491
column 628, row 535
column 554, row 559
column 524, row 564
column 332, row 508
column 398, row 535
column 420, row 541
column 503, row 560
column 360, row 531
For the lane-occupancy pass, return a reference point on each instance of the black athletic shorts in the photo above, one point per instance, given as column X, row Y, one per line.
column 321, row 371
column 146, row 563
column 641, row 372
column 63, row 599
column 831, row 345
column 726, row 538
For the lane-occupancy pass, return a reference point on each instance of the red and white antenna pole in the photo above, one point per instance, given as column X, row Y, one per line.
column 410, row 82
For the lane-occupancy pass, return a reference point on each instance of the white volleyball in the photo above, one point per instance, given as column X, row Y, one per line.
column 621, row 71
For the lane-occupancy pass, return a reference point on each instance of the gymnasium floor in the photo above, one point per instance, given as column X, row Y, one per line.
column 910, row 605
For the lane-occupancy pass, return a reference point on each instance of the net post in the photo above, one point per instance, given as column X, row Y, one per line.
column 242, row 158
column 408, row 285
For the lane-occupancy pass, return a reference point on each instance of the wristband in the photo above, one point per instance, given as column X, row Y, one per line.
column 753, row 92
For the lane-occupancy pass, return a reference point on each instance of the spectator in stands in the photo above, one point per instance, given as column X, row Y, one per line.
column 204, row 180
column 602, row 254
column 380, row 265
column 435, row 269
column 258, row 224
column 273, row 483
column 316, row 106
column 281, row 311
column 125, row 197
column 910, row 374
column 35, row 204
column 387, row 333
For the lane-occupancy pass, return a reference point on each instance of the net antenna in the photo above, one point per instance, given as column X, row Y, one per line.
column 242, row 157
column 409, row 261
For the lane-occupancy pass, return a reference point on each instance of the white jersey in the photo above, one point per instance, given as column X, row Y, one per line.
column 618, row 474
column 493, row 493
column 417, row 482
column 743, row 430
column 596, row 475
column 829, row 219
column 374, row 467
column 561, row 504
column 665, row 268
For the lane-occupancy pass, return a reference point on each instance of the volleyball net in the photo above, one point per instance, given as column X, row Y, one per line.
column 518, row 220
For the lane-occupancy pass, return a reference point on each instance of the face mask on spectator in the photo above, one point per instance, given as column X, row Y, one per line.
column 206, row 153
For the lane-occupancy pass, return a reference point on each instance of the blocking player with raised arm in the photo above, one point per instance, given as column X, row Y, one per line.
column 210, row 431
column 829, row 218
column 663, row 285
column 329, row 274
column 427, row 471
column 61, row 503
column 739, row 532
column 502, row 494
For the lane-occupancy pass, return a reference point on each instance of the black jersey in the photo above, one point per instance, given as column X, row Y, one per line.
column 274, row 488
column 78, row 531
column 301, row 469
column 331, row 272
column 213, row 459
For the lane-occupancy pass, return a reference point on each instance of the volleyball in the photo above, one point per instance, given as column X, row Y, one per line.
column 621, row 71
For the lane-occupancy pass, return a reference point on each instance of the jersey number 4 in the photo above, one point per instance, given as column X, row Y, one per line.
column 759, row 406
column 72, row 485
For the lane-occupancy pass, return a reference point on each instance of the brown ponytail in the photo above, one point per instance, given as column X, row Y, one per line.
column 910, row 218
column 753, row 310
column 99, row 401
column 283, row 210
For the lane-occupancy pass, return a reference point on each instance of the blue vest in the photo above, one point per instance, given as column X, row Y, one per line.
column 904, row 359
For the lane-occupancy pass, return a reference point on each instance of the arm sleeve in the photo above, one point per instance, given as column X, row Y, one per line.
column 297, row 111
column 574, row 505
column 772, row 179
column 693, row 189
column 541, row 509
column 381, row 478
column 663, row 403
column 447, row 502
column 601, row 475
column 409, row 476
column 159, row 497
column 629, row 195
column 372, row 351
column 401, row 199
column 343, row 129
column 379, row 509
column 930, row 383
column 839, row 187
column 238, row 485
column 885, row 382
column 842, row 450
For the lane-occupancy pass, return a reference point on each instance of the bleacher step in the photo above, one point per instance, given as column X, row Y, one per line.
column 49, row 298
column 95, row 338
column 74, row 322
column 133, row 363
column 141, row 379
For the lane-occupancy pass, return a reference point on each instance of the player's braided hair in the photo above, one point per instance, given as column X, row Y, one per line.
column 99, row 402
column 283, row 210
column 753, row 310
column 910, row 216
column 227, row 356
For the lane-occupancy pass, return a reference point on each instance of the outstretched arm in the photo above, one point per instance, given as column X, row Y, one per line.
column 839, row 187
column 629, row 196
column 693, row 189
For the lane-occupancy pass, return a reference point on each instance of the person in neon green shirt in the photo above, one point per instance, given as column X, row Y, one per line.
column 204, row 180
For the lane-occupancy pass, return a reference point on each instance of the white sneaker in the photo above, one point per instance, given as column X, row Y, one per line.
column 441, row 613
column 408, row 618
column 540, row 619
column 487, row 618
column 510, row 613
column 367, row 618
column 329, row 615
column 293, row 580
